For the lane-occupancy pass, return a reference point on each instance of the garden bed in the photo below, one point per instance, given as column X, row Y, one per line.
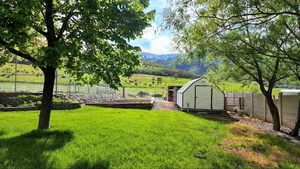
column 31, row 101
column 129, row 104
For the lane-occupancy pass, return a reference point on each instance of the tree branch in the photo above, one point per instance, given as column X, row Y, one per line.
column 17, row 52
column 65, row 23
column 274, row 76
column 49, row 22
column 39, row 30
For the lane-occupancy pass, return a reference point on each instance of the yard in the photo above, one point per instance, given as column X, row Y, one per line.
column 102, row 138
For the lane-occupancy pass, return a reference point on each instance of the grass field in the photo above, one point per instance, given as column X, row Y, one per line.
column 102, row 138
column 238, row 87
column 136, row 83
column 27, row 73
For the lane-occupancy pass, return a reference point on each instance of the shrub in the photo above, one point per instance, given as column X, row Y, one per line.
column 142, row 94
column 157, row 95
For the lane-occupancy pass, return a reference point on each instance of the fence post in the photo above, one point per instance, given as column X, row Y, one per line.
column 123, row 92
column 252, row 104
column 240, row 103
column 69, row 87
column 265, row 113
column 16, row 69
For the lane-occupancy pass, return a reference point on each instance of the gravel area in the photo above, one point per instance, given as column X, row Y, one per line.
column 265, row 126
column 91, row 98
column 164, row 105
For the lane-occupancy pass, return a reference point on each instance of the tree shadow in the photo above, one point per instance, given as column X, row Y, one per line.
column 28, row 150
column 2, row 133
column 87, row 165
column 282, row 143
column 221, row 117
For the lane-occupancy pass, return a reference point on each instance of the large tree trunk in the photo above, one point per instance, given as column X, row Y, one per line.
column 274, row 112
column 295, row 131
column 49, row 78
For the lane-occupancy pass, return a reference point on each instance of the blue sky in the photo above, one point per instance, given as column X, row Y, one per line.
column 155, row 40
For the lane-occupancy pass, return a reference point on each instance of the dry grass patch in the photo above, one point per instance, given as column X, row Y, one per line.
column 260, row 148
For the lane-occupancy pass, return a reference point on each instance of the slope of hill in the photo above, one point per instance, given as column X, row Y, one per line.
column 175, row 61
column 151, row 68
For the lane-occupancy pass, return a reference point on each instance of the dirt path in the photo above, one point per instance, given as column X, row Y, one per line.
column 164, row 105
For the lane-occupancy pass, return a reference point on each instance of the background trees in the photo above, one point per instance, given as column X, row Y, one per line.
column 257, row 40
column 88, row 38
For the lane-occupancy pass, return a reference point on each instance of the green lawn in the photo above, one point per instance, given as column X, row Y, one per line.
column 26, row 73
column 102, row 138
column 137, row 82
column 239, row 87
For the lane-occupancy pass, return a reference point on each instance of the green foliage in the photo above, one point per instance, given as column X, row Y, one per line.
column 150, row 68
column 250, row 45
column 89, row 39
column 34, row 100
column 151, row 81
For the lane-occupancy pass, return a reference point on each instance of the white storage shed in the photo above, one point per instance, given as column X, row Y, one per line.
column 288, row 106
column 200, row 95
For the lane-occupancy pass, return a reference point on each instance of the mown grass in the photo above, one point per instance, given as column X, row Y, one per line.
column 102, row 138
column 152, row 81
column 261, row 149
column 239, row 87
column 149, row 83
column 26, row 73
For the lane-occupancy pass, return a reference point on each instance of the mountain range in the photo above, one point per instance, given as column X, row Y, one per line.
column 176, row 61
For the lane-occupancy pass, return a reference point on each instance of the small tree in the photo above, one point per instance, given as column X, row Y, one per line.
column 246, row 65
column 87, row 38
column 231, row 33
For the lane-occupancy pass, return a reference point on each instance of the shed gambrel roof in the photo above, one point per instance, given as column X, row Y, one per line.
column 188, row 84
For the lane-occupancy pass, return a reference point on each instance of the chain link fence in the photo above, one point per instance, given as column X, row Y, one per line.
column 20, row 78
column 158, row 93
column 65, row 86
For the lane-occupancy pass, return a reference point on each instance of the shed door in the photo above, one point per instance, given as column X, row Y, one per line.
column 203, row 97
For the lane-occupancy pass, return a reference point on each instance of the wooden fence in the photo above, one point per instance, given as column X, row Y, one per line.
column 255, row 105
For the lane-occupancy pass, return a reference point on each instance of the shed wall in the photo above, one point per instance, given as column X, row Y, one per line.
column 179, row 99
column 289, row 110
column 203, row 97
column 186, row 100
column 218, row 100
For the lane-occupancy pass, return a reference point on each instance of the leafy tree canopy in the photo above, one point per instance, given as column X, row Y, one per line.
column 88, row 38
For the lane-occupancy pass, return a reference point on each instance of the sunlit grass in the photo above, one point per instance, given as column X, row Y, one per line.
column 101, row 138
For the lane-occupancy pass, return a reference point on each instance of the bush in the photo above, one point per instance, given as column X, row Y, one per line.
column 34, row 100
column 142, row 94
column 157, row 95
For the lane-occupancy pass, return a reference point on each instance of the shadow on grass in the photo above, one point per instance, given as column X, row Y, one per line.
column 27, row 150
column 88, row 165
column 1, row 133
column 222, row 117
column 282, row 143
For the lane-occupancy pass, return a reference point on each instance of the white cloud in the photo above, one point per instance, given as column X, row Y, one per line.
column 161, row 45
column 159, row 42
column 150, row 32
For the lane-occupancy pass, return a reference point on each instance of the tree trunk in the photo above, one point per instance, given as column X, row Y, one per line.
column 49, row 78
column 274, row 112
column 295, row 131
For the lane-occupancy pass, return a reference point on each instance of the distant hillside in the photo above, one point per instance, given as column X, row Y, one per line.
column 157, row 58
column 174, row 61
column 164, row 65
column 151, row 68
